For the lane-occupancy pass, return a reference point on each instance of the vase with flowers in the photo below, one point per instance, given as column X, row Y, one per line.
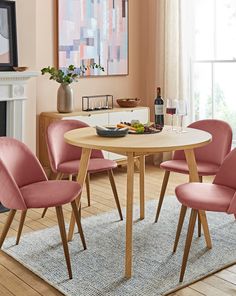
column 65, row 77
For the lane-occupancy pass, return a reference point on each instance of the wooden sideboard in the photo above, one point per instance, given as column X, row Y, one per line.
column 103, row 117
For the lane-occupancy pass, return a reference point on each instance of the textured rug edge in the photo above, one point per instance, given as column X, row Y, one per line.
column 180, row 286
column 63, row 292
column 200, row 278
column 37, row 273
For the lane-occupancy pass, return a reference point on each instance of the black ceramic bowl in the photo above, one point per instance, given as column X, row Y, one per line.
column 111, row 131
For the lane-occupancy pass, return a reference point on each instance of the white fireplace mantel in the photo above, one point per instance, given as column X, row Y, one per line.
column 13, row 91
column 13, row 85
column 5, row 75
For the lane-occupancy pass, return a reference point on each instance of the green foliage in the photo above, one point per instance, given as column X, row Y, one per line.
column 70, row 74
column 222, row 109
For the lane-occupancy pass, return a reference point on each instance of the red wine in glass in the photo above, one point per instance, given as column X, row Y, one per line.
column 170, row 111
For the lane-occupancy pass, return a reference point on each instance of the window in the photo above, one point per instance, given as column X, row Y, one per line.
column 214, row 66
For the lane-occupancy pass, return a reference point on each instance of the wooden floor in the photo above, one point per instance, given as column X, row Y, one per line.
column 17, row 280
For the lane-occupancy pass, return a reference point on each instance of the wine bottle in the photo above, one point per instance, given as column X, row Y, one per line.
column 159, row 109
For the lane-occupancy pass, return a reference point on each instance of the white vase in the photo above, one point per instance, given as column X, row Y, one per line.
column 65, row 101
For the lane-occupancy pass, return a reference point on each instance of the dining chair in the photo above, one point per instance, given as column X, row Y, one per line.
column 220, row 196
column 24, row 185
column 65, row 159
column 209, row 158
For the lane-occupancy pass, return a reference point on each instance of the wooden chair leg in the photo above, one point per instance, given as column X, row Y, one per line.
column 137, row 163
column 22, row 220
column 199, row 220
column 7, row 225
column 142, row 186
column 61, row 224
column 44, row 212
column 113, row 186
column 78, row 222
column 203, row 218
column 58, row 177
column 179, row 227
column 188, row 242
column 162, row 194
column 87, row 181
column 79, row 210
column 199, row 226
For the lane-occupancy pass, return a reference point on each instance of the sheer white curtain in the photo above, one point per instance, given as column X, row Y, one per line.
column 175, row 47
column 175, row 50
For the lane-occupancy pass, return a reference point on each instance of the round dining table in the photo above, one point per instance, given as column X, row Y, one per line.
column 136, row 145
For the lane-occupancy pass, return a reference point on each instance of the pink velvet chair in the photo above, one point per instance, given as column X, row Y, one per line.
column 65, row 159
column 217, row 197
column 209, row 158
column 24, row 185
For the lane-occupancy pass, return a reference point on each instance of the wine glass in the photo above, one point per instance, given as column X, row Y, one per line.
column 171, row 106
column 181, row 112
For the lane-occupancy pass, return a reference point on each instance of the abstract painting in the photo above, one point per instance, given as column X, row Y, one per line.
column 8, row 43
column 4, row 37
column 93, row 31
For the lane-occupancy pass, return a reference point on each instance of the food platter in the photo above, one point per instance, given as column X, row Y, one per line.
column 124, row 128
column 145, row 132
column 137, row 128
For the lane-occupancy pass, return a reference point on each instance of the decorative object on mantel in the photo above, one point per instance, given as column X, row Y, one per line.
column 20, row 69
column 8, row 40
column 96, row 103
column 65, row 102
column 128, row 102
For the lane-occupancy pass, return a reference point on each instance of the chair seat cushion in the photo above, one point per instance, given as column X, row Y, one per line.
column 204, row 196
column 95, row 165
column 50, row 193
column 181, row 166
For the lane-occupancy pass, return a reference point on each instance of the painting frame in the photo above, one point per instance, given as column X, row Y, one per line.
column 125, row 3
column 9, row 59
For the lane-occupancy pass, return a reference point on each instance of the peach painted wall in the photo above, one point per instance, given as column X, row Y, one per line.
column 152, row 49
column 37, row 49
column 124, row 86
column 26, row 27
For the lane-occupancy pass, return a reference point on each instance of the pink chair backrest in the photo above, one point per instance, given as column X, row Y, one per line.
column 218, row 149
column 227, row 173
column 19, row 167
column 58, row 150
column 10, row 195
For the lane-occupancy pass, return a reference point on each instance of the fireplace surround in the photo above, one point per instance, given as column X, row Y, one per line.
column 13, row 95
column 12, row 98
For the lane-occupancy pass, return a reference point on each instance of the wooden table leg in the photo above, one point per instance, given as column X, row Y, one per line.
column 194, row 177
column 85, row 156
column 142, row 186
column 129, row 214
column 193, row 173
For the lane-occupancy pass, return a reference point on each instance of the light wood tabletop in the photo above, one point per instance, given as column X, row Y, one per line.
column 131, row 146
column 139, row 143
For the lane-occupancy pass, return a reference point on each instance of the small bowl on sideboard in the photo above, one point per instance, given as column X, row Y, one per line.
column 20, row 69
column 128, row 102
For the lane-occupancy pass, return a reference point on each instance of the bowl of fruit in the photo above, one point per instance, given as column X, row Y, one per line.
column 136, row 127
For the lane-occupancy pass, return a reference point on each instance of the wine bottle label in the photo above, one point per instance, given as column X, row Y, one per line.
column 159, row 110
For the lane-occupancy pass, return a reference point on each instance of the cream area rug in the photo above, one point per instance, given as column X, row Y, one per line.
column 99, row 270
